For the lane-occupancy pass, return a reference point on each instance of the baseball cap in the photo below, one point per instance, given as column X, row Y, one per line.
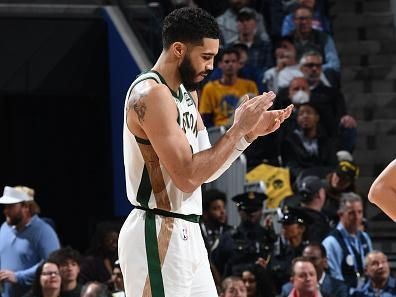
column 12, row 195
column 309, row 186
column 347, row 169
column 246, row 13
column 249, row 201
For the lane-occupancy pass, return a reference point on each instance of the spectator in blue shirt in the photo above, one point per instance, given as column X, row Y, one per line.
column 347, row 246
column 307, row 39
column 319, row 20
column 380, row 283
column 25, row 241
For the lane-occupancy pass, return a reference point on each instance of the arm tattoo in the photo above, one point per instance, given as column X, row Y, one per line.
column 135, row 101
column 140, row 108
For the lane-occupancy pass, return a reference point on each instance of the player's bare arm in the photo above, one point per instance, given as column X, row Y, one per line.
column 383, row 190
column 158, row 124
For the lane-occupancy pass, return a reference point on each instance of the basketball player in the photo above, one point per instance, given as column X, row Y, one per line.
column 383, row 190
column 168, row 156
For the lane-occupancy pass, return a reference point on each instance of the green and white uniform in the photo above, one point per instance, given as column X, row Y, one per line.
column 161, row 249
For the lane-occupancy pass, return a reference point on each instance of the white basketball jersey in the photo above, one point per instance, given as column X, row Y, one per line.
column 148, row 184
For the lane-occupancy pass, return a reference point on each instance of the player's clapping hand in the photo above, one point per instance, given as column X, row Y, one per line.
column 269, row 122
column 248, row 115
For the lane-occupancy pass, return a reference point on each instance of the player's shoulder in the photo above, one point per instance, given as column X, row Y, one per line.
column 148, row 89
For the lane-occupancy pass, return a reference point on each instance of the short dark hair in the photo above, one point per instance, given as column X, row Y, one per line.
column 301, row 6
column 61, row 256
column 240, row 47
column 189, row 24
column 320, row 247
column 279, row 40
column 228, row 51
column 212, row 195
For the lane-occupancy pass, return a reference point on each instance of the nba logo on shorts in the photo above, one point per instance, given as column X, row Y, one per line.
column 184, row 233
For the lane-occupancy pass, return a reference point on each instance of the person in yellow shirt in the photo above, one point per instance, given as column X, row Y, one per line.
column 221, row 97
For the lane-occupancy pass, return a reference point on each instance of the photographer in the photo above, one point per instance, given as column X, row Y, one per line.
column 247, row 243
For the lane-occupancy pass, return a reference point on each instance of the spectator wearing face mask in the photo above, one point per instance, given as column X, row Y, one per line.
column 335, row 121
column 298, row 93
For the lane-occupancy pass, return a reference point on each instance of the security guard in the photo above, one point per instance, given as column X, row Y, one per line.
column 247, row 243
column 288, row 245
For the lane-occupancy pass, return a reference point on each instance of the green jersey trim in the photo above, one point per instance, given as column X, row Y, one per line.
column 174, row 94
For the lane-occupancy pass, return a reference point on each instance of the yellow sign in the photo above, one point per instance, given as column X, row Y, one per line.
column 277, row 182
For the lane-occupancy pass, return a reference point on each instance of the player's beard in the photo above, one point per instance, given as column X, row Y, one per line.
column 188, row 74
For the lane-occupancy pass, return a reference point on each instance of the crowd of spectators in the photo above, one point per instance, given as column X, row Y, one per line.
column 34, row 264
column 310, row 254
column 316, row 244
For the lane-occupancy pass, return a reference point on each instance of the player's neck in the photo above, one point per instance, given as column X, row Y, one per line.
column 168, row 69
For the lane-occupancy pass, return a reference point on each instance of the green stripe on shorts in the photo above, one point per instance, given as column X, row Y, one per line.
column 153, row 259
column 150, row 234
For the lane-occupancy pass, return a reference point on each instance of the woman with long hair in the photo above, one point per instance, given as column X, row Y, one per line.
column 47, row 281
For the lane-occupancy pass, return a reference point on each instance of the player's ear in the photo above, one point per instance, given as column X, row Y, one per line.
column 179, row 49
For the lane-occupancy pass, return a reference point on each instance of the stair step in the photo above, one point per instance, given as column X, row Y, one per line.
column 372, row 59
column 368, row 72
column 381, row 155
column 368, row 115
column 371, row 106
column 366, row 33
column 363, row 99
column 365, row 142
column 360, row 6
column 367, row 47
column 368, row 19
column 368, row 86
column 377, row 127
